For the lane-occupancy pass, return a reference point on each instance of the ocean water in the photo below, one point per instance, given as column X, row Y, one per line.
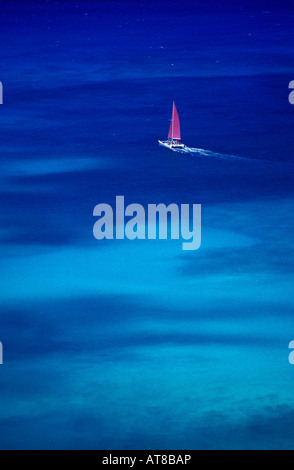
column 138, row 344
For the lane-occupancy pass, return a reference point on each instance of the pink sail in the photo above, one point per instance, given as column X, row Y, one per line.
column 174, row 128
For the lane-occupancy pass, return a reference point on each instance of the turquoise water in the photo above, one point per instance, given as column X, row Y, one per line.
column 138, row 344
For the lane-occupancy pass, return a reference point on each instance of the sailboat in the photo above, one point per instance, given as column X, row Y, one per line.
column 174, row 135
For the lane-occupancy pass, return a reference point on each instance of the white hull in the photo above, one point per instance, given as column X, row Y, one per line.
column 171, row 144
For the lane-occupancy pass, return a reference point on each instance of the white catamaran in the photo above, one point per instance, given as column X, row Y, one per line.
column 174, row 135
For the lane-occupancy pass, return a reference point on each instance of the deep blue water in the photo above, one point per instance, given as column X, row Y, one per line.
column 138, row 344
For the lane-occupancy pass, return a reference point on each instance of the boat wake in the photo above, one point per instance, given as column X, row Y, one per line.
column 207, row 153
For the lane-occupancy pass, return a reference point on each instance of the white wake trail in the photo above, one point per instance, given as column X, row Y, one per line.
column 207, row 153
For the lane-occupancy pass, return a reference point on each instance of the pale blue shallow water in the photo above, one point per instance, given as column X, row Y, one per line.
column 138, row 344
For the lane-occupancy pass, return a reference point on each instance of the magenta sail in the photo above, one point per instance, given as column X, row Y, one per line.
column 173, row 141
column 174, row 129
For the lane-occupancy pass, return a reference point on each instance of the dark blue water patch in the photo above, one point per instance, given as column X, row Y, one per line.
column 42, row 328
column 79, row 430
column 255, row 433
column 84, row 430
column 104, row 325
column 265, row 259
